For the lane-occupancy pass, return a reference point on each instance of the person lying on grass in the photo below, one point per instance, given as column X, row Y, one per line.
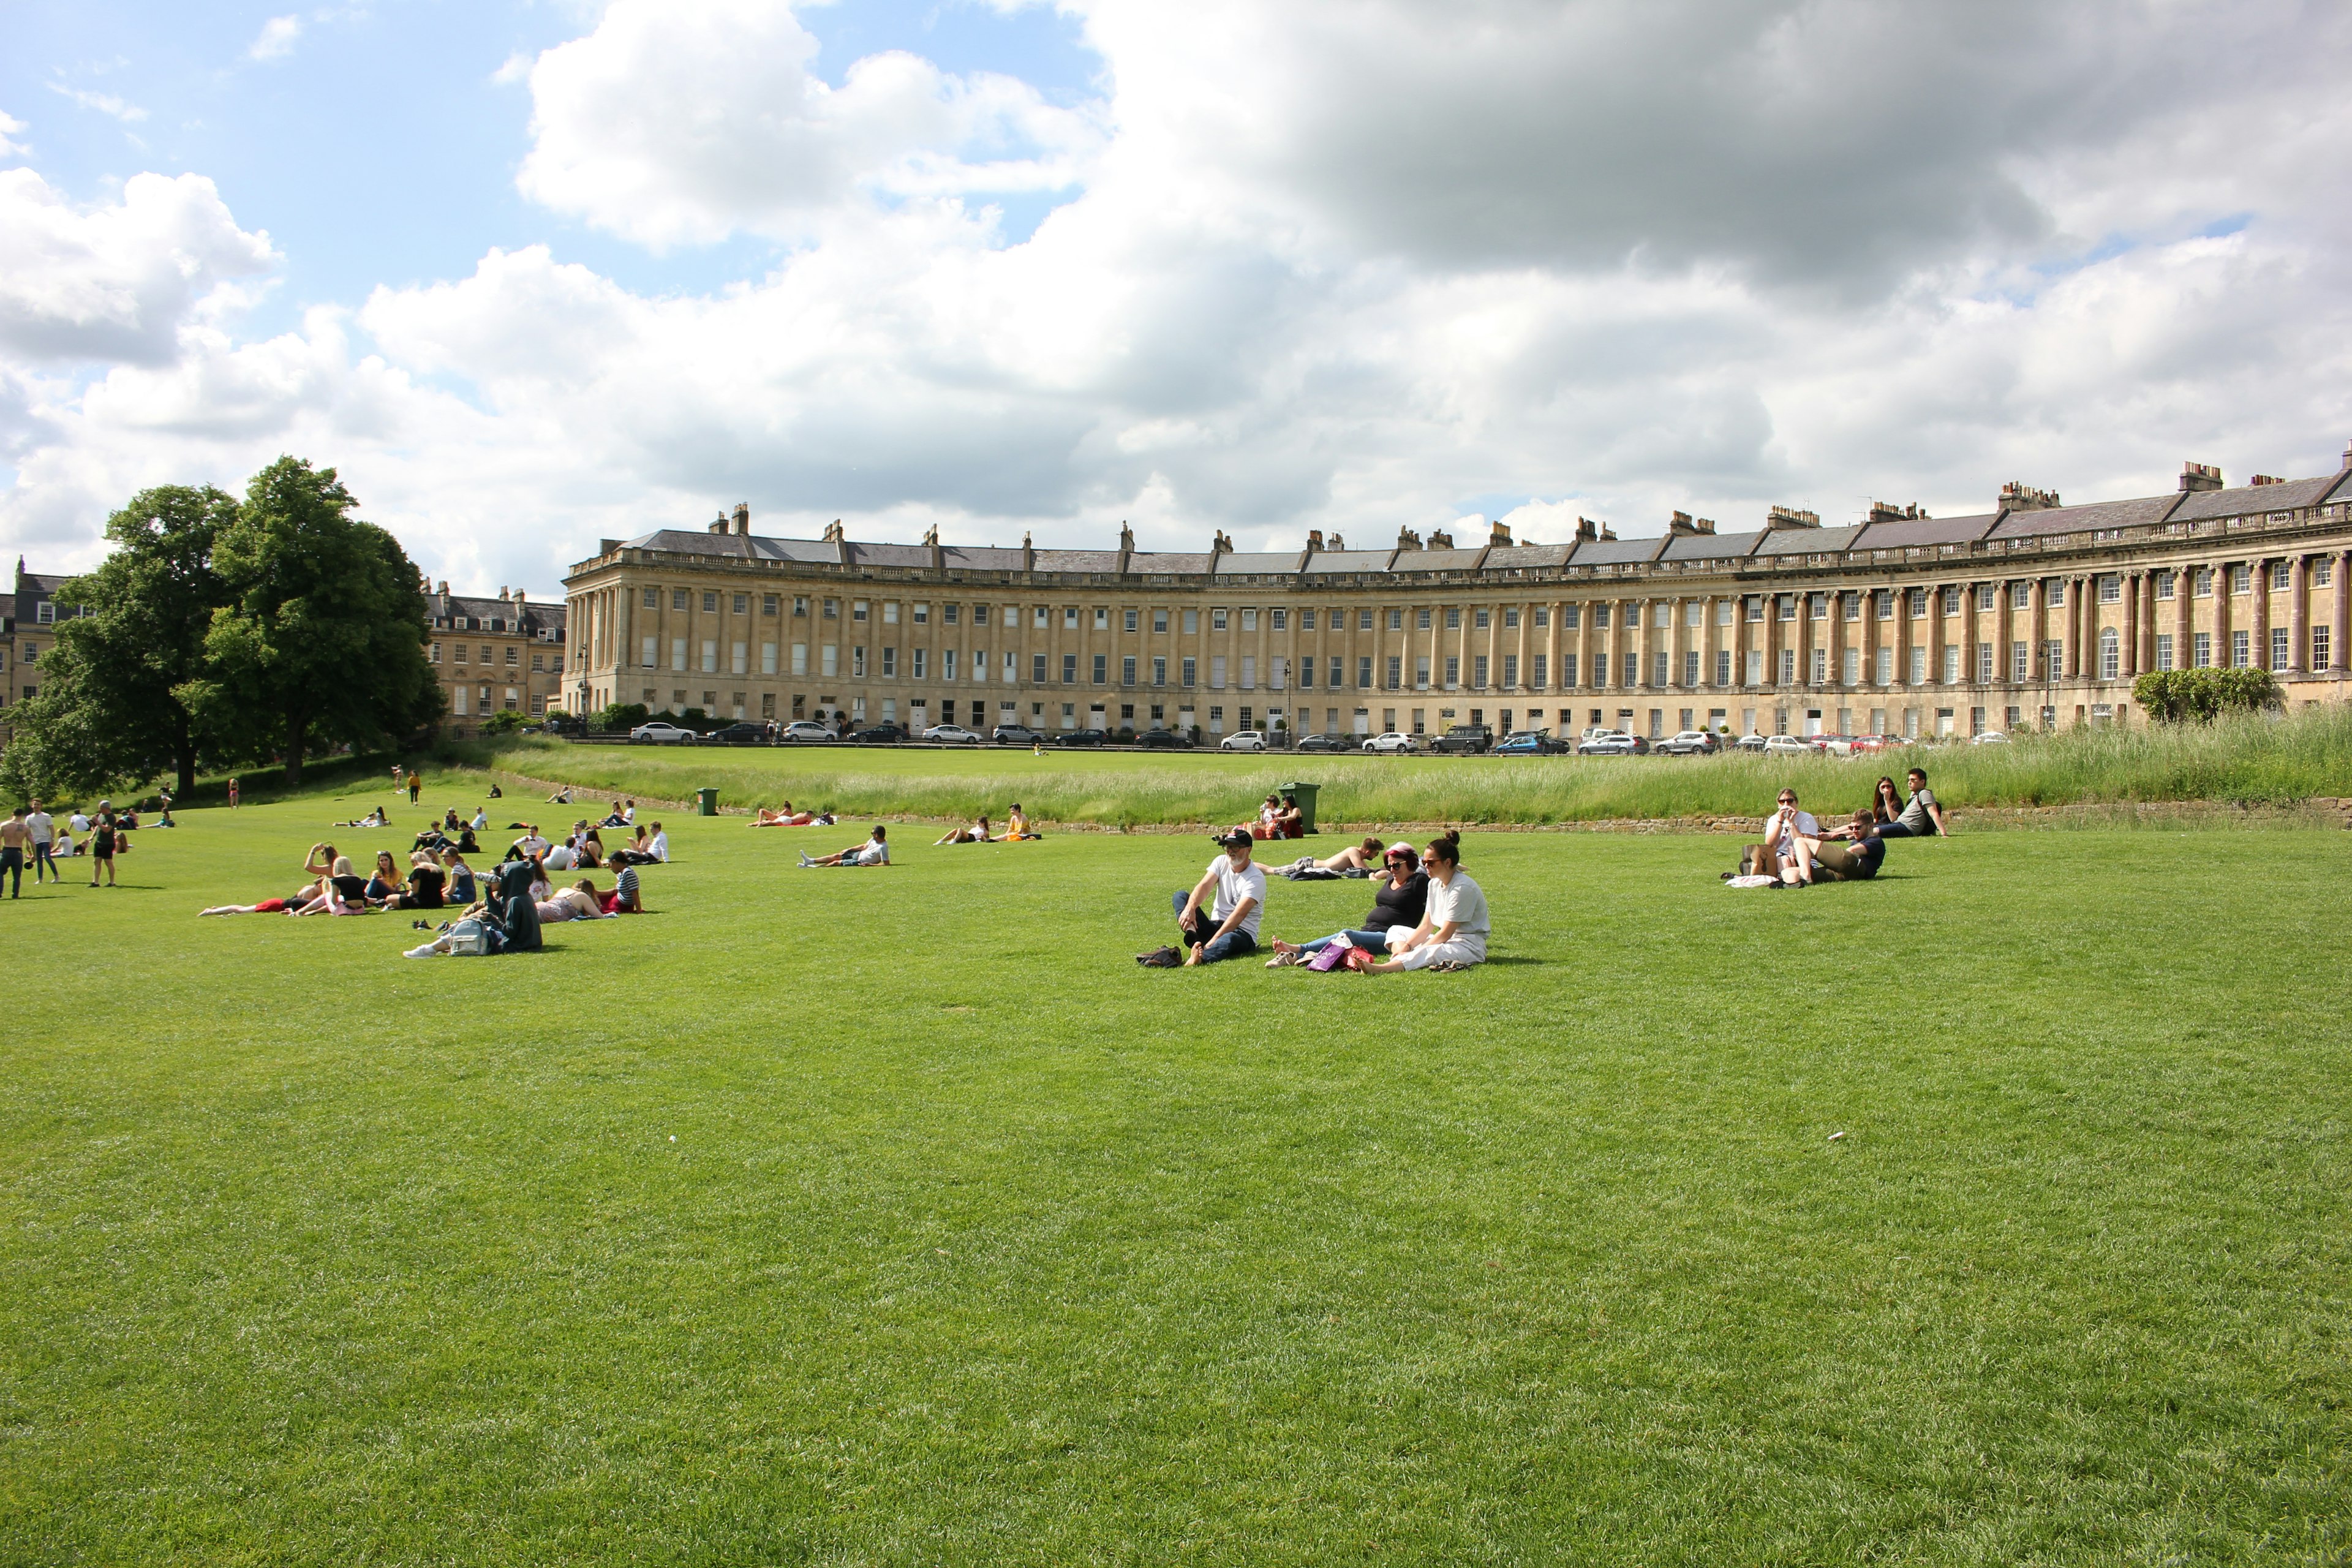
column 1452, row 930
column 785, row 817
column 375, row 818
column 345, row 893
column 1218, row 919
column 874, row 851
column 318, row 866
column 1016, row 826
column 577, row 902
column 1397, row 903
column 1857, row 859
column 977, row 833
column 1356, row 859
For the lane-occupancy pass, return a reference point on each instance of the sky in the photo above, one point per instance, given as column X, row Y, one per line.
column 537, row 274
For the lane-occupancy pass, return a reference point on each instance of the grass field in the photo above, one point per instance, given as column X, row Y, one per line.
column 2249, row 759
column 896, row 1216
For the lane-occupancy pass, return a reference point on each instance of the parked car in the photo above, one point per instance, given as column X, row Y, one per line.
column 1464, row 739
column 1750, row 742
column 1015, row 735
column 1782, row 745
column 1613, row 743
column 1243, row 740
column 1690, row 744
column 882, row 735
column 951, row 736
column 1395, row 742
column 1531, row 744
column 660, row 733
column 807, row 730
column 1835, row 746
column 741, row 732
column 1082, row 738
column 1991, row 737
column 1325, row 744
column 1164, row 740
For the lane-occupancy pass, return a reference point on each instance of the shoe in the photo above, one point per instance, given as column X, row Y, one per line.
column 1447, row 966
column 1283, row 960
column 1158, row 958
column 804, row 862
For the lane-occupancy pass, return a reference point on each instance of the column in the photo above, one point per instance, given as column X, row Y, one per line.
column 2340, row 616
column 2184, row 615
column 2298, row 641
column 2257, row 588
column 1551, row 648
column 2130, row 666
column 2221, row 614
column 2079, row 621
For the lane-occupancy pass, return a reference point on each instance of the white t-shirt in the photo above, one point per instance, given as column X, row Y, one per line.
column 79, row 823
column 44, row 826
column 659, row 847
column 1460, row 900
column 1806, row 827
column 560, row 857
column 873, row 853
column 481, row 820
column 1233, row 887
column 532, row 844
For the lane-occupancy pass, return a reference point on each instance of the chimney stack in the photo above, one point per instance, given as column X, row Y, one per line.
column 1679, row 524
column 1587, row 531
column 2268, row 480
column 1408, row 540
column 1440, row 539
column 1314, row 539
column 2348, row 457
column 1498, row 536
column 2015, row 497
column 1336, row 543
column 1782, row 517
column 1028, row 552
column 742, row 516
column 721, row 526
column 832, row 534
column 2197, row 477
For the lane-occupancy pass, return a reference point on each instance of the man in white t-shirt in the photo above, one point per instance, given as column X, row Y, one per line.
column 45, row 838
column 1234, row 892
column 531, row 845
column 659, row 845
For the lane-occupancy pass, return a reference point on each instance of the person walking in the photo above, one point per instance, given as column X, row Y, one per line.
column 103, row 833
column 44, row 829
column 415, row 786
column 232, row 794
column 15, row 840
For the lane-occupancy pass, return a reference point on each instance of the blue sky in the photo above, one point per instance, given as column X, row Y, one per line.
column 538, row 274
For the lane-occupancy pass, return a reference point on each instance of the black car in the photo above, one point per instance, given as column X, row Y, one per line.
column 1327, row 743
column 1164, row 740
column 737, row 734
column 1082, row 738
column 882, row 735
column 1464, row 739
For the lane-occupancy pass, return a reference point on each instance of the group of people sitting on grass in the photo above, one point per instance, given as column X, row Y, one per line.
column 1016, row 830
column 434, row 879
column 1280, row 817
column 584, row 848
column 1798, row 852
column 1427, row 913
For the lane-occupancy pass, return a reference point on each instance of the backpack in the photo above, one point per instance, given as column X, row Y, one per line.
column 1756, row 860
column 471, row 938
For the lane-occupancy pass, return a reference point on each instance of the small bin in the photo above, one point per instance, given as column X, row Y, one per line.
column 707, row 802
column 1306, row 793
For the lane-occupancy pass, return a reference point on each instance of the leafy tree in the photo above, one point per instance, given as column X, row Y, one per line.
column 619, row 716
column 2200, row 696
column 113, row 705
column 505, row 722
column 322, row 639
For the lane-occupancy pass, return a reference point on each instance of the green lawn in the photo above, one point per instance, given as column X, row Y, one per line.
column 896, row 1216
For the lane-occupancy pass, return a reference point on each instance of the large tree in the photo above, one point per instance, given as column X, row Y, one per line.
column 320, row 639
column 112, row 708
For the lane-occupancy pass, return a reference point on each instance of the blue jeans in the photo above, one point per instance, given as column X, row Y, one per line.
column 1369, row 941
column 41, row 858
column 1234, row 943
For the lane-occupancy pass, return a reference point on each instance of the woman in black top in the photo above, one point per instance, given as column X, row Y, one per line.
column 1400, row 898
column 425, row 882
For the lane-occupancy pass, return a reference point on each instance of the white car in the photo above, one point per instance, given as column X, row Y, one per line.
column 659, row 733
column 806, row 729
column 1394, row 740
column 950, row 736
column 1243, row 740
column 1992, row 737
column 1783, row 744
column 1750, row 742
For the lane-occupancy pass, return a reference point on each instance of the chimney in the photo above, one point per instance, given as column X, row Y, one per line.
column 1440, row 539
column 503, row 595
column 1314, row 539
column 1336, row 543
column 1497, row 535
column 1780, row 517
column 938, row 556
column 1887, row 511
column 832, row 534
column 2197, row 477
column 444, row 587
column 2348, row 457
column 742, row 516
column 1607, row 531
column 721, row 526
column 518, row 599
column 1680, row 525
column 1587, row 531
column 1218, row 546
column 2015, row 497
column 2268, row 480
column 1028, row 552
column 606, row 546
column 1408, row 540
column 1704, row 525
column 1126, row 545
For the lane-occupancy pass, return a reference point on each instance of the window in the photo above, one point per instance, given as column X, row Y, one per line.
column 1338, row 670
column 1510, row 617
column 1817, row 606
column 1822, row 666
column 1159, row 669
column 921, row 662
column 1952, row 601
column 1918, row 666
column 710, row 604
column 889, row 663
column 830, row 660
column 1190, row 672
column 1788, row 666
column 1395, row 672
column 980, row 616
column 856, row 661
column 1249, row 672
column 1069, row 617
column 949, row 615
column 1722, row 666
column 2164, row 650
column 1396, row 620
column 1885, row 664
column 922, row 614
column 2320, row 648
column 2282, row 575
column 1601, row 618
column 1069, row 669
column 1918, row 603
column 1036, row 669
column 1985, row 592
column 1102, row 617
column 1852, row 673
column 2200, row 583
column 2111, row 654
column 1951, row 666
column 1452, row 617
column 1984, row 663
column 2111, row 589
column 857, row 609
column 1420, row 620
column 2241, row 577
column 1217, row 672
column 677, row 598
column 742, row 603
column 709, row 656
column 1420, row 673
column 1102, row 670
column 800, row 606
column 2240, row 649
column 2323, row 573
column 1659, row 667
column 2021, row 662
column 2054, row 591
column 767, row 605
column 2200, row 650
column 1132, row 619
column 653, row 599
column 2279, row 656
column 1510, row 670
column 1543, row 614
column 1633, row 615
column 1281, row 620
column 2164, row 584
column 1477, row 671
column 1126, row 671
column 1159, row 623
column 1305, row 673
column 1216, row 620
column 1599, row 669
column 1786, row 608
column 1882, row 605
column 1306, row 620
column 1192, row 622
column 1541, row 668
column 740, row 658
column 648, row 652
column 1567, row 669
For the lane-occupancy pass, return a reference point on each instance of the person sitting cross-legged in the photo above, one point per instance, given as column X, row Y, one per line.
column 1218, row 919
column 1452, row 930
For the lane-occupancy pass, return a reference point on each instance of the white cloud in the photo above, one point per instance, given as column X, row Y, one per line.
column 11, row 128
column 104, row 102
column 674, row 125
column 277, row 39
column 1352, row 268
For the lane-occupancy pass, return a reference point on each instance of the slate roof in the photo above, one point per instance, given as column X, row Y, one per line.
column 1333, row 562
column 1436, row 559
column 1258, row 564
column 1163, row 562
column 2080, row 518
column 1710, row 547
column 1808, row 541
column 1077, row 561
column 1924, row 532
column 1523, row 557
column 2246, row 501
column 1613, row 551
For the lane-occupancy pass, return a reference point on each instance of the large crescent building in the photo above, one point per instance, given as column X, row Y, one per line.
column 2033, row 614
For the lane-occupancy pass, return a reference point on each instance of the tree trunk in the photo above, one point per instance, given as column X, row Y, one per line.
column 298, row 728
column 184, row 755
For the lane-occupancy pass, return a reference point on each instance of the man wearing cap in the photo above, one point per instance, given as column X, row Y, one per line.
column 1229, row 927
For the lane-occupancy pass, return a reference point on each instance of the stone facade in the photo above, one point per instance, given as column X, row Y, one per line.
column 494, row 654
column 2031, row 614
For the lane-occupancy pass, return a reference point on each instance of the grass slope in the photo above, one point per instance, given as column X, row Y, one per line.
column 2254, row 759
column 895, row 1216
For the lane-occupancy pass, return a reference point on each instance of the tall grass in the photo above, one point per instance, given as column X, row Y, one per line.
column 2249, row 759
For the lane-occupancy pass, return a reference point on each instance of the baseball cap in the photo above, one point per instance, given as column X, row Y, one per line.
column 1238, row 838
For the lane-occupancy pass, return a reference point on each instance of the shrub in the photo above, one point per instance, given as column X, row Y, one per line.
column 619, row 716
column 505, row 722
column 2201, row 696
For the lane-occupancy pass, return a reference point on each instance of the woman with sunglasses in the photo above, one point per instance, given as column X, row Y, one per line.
column 1452, row 930
column 1400, row 899
column 1785, row 834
